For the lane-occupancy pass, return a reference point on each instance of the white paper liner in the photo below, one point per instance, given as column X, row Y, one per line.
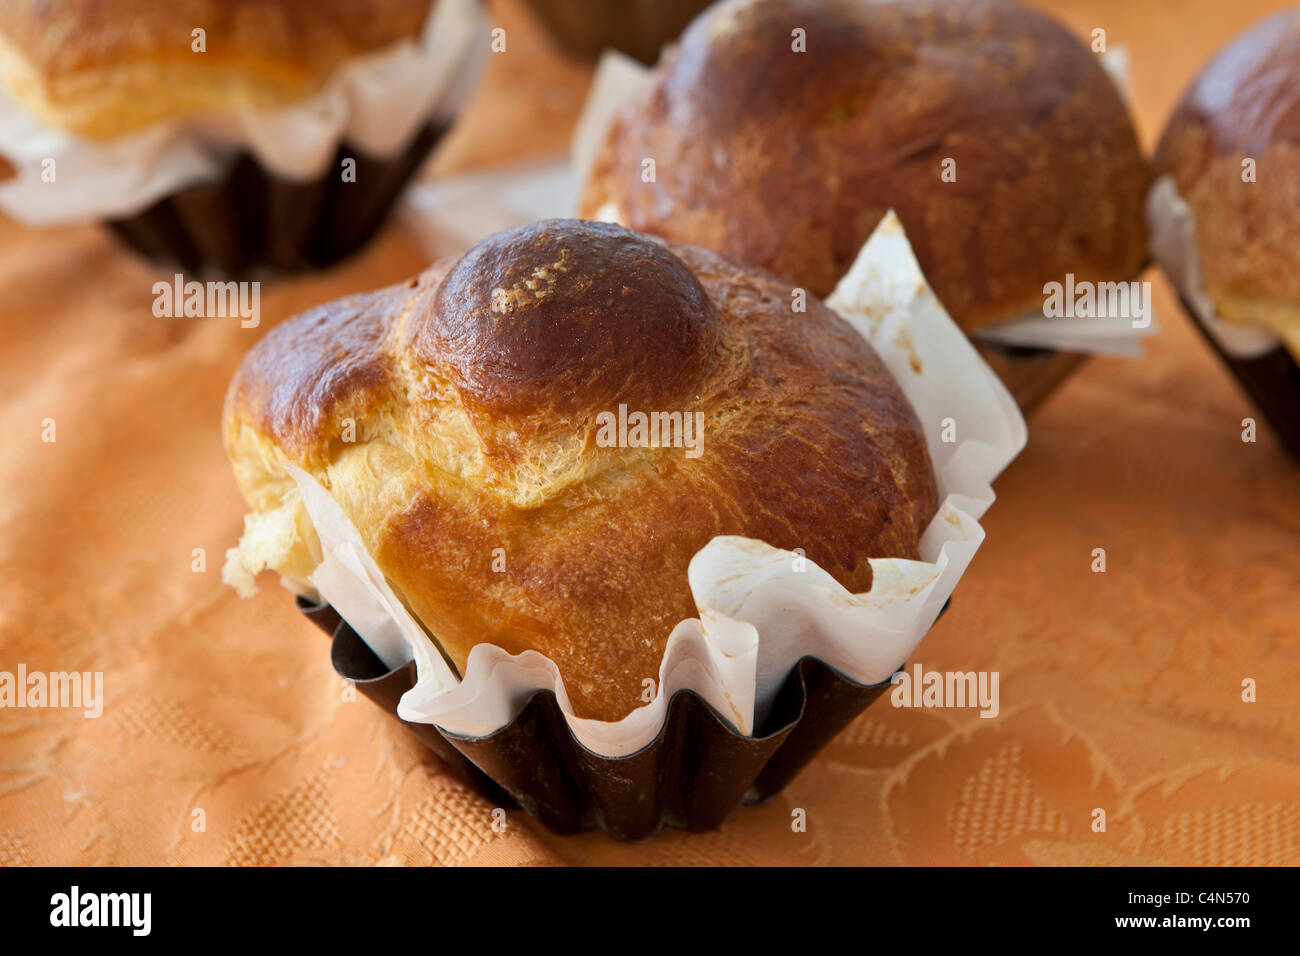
column 619, row 78
column 760, row 608
column 1171, row 228
column 1116, row 62
column 375, row 102
column 1096, row 335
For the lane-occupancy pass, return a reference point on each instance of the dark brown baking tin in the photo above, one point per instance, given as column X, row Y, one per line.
column 694, row 773
column 1272, row 381
column 639, row 28
column 251, row 223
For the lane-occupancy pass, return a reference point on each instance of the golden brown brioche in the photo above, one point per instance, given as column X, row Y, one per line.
column 103, row 69
column 1245, row 104
column 788, row 160
column 476, row 390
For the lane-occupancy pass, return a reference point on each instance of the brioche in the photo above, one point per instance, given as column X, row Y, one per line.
column 787, row 159
column 477, row 477
column 103, row 69
column 1245, row 105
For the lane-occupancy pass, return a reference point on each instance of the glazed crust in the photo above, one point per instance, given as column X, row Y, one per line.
column 1244, row 104
column 788, row 160
column 476, row 390
column 103, row 69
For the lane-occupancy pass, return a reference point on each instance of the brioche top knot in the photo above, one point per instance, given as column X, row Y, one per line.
column 571, row 316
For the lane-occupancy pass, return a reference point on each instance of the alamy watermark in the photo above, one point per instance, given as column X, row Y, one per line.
column 208, row 300
column 1083, row 299
column 75, row 908
column 76, row 690
column 626, row 429
column 923, row 688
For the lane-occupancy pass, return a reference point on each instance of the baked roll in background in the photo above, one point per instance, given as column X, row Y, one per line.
column 787, row 160
column 102, row 70
column 1244, row 105
column 215, row 130
column 1232, row 150
column 476, row 393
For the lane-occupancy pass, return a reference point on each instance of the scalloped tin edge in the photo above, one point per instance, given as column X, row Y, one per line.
column 690, row 777
column 249, row 222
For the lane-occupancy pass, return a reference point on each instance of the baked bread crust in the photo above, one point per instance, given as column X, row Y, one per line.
column 1245, row 103
column 103, row 69
column 475, row 390
column 789, row 160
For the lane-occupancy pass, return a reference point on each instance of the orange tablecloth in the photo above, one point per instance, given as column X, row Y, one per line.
column 225, row 737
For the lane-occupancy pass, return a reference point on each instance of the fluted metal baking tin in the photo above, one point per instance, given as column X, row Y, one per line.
column 694, row 773
column 1272, row 381
column 250, row 223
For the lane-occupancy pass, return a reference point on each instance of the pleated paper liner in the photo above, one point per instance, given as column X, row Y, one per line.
column 694, row 773
column 250, row 223
column 1031, row 374
column 1272, row 381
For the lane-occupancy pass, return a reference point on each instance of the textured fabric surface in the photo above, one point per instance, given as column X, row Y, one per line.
column 227, row 739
